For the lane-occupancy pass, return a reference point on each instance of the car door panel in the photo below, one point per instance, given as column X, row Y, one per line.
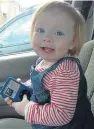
column 17, row 66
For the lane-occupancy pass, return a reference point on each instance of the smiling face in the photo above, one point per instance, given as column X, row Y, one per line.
column 53, row 34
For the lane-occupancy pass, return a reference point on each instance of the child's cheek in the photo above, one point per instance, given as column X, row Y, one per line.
column 35, row 44
column 35, row 41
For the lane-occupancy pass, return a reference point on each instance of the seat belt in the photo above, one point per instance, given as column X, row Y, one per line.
column 86, row 5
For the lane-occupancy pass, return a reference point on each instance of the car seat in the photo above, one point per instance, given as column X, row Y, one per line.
column 86, row 57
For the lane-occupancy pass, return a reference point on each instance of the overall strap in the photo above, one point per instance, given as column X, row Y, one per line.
column 54, row 66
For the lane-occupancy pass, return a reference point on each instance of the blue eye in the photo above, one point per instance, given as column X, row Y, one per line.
column 40, row 30
column 59, row 33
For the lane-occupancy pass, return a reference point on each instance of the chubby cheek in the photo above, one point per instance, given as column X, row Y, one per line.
column 35, row 43
column 62, row 48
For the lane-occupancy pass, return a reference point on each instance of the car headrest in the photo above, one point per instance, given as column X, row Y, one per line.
column 86, row 53
column 87, row 61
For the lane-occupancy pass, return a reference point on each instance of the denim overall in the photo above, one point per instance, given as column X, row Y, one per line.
column 83, row 117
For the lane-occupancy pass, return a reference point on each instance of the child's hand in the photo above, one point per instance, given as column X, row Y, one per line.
column 27, row 83
column 18, row 106
column 19, row 80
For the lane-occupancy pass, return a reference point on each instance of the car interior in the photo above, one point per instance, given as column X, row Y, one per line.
column 18, row 66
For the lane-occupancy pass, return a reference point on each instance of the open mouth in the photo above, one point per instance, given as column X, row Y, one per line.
column 46, row 49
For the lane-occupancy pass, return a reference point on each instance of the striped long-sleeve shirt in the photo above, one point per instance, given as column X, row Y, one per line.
column 63, row 83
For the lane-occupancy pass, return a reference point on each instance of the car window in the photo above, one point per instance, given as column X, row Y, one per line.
column 16, row 35
column 17, row 31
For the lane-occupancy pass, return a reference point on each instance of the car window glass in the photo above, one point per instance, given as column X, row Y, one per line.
column 17, row 33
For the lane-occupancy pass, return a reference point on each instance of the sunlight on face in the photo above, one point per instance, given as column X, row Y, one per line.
column 53, row 34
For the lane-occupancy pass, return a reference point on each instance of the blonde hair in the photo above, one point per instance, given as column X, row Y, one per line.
column 73, row 13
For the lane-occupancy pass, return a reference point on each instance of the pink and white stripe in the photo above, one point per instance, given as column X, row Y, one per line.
column 63, row 83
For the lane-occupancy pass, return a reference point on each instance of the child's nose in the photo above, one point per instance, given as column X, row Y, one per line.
column 47, row 40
